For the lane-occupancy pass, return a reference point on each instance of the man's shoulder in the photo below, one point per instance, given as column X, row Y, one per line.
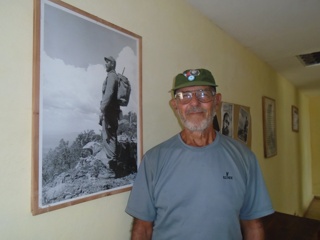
column 231, row 143
column 112, row 74
column 231, row 140
column 172, row 141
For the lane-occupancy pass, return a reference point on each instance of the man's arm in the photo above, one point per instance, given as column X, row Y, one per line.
column 112, row 80
column 252, row 229
column 141, row 230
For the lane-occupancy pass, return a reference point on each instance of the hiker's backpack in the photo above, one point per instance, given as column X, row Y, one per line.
column 124, row 90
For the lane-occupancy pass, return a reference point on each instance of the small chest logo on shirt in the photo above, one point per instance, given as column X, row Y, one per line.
column 227, row 176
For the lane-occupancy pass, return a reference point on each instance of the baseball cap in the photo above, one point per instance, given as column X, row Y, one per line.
column 194, row 77
column 111, row 59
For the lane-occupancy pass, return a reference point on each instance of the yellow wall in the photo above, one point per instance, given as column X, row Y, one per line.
column 304, row 158
column 175, row 37
column 315, row 138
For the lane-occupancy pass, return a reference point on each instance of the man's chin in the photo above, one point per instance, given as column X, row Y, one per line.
column 196, row 122
column 196, row 127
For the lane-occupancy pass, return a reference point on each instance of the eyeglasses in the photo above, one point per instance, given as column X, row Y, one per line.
column 203, row 96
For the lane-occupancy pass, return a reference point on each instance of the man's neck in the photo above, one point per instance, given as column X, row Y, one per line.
column 198, row 138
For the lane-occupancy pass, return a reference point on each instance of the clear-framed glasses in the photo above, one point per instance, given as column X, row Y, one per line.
column 203, row 96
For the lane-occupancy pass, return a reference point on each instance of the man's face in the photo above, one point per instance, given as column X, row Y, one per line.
column 196, row 115
column 109, row 66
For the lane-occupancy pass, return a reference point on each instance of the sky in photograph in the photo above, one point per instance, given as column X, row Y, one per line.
column 80, row 41
column 72, row 73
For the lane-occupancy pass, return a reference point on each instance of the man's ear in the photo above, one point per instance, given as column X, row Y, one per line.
column 173, row 104
column 218, row 98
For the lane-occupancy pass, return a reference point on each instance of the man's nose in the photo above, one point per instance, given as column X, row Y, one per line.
column 194, row 100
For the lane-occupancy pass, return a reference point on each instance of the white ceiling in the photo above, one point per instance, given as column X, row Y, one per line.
column 275, row 30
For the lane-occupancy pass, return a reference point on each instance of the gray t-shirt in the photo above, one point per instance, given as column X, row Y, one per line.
column 199, row 193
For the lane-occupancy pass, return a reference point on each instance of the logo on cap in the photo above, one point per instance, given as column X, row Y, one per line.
column 191, row 74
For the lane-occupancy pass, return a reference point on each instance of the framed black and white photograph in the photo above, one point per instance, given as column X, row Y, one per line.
column 243, row 125
column 87, row 107
column 269, row 127
column 227, row 119
column 295, row 118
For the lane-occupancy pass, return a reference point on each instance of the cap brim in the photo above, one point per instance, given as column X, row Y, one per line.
column 191, row 84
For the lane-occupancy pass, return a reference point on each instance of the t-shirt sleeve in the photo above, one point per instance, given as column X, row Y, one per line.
column 257, row 201
column 141, row 203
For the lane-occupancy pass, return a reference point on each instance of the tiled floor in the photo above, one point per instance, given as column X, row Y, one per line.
column 314, row 209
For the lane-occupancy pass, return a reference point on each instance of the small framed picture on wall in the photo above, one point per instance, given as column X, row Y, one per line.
column 269, row 127
column 295, row 118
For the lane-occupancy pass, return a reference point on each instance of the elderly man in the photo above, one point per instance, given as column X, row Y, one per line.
column 199, row 184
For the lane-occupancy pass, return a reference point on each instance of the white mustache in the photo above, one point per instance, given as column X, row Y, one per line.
column 196, row 110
